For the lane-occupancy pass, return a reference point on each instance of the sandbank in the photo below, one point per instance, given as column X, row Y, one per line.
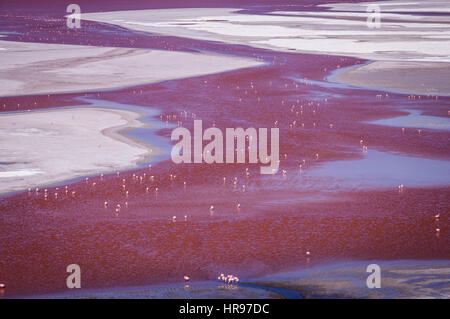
column 39, row 68
column 47, row 147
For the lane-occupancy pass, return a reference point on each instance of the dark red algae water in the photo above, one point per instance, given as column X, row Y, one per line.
column 280, row 217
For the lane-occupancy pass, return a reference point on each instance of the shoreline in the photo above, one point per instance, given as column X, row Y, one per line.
column 400, row 279
column 387, row 77
column 409, row 42
column 339, row 279
column 113, row 134
column 43, row 68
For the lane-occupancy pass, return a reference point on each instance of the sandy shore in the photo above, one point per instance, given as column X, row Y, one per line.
column 399, row 280
column 425, row 78
column 420, row 39
column 37, row 68
column 47, row 147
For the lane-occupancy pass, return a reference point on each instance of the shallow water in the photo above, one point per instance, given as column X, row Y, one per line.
column 416, row 119
column 383, row 169
column 145, row 134
column 399, row 279
column 190, row 290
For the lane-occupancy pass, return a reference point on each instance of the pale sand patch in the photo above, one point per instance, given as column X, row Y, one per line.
column 19, row 173
column 416, row 119
column 36, row 68
column 46, row 147
column 426, row 78
column 363, row 14
column 395, row 6
column 402, row 37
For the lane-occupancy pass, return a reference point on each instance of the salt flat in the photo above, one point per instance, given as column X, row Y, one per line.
column 402, row 37
column 39, row 68
column 34, row 145
column 425, row 78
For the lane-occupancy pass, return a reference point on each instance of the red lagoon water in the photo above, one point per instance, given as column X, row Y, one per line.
column 280, row 217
